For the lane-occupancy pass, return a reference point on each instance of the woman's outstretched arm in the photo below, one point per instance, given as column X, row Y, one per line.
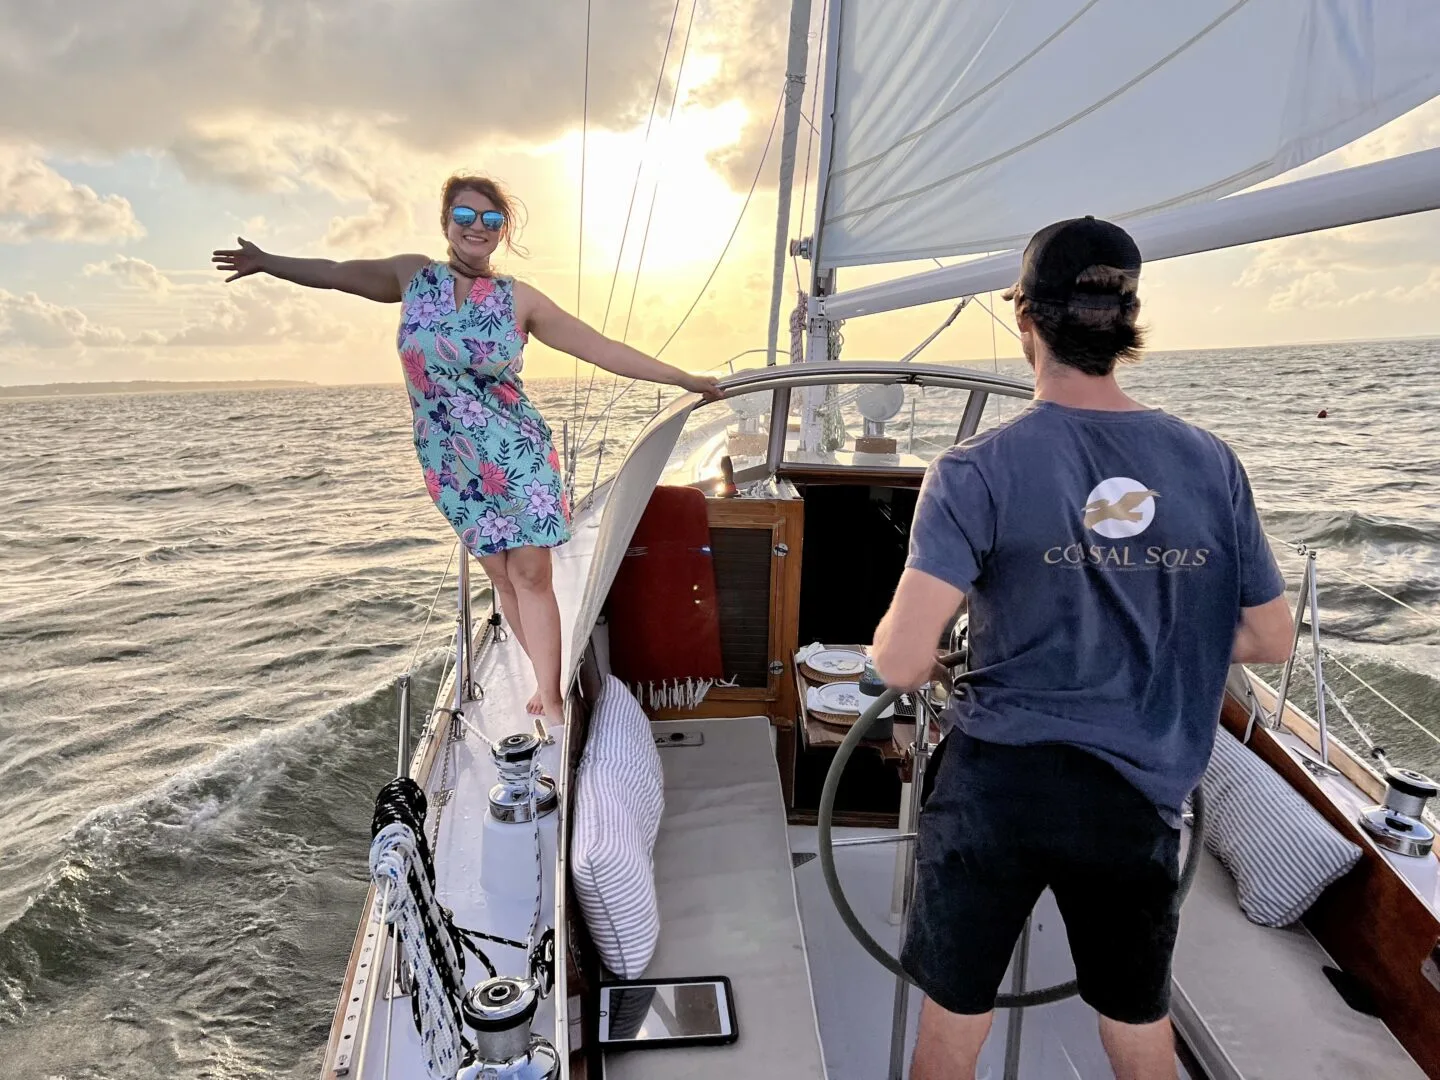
column 383, row 280
column 561, row 330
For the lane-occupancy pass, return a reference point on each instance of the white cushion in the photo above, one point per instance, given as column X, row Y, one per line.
column 1280, row 851
column 619, row 796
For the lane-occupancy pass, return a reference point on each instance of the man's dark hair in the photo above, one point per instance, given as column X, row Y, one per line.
column 1098, row 327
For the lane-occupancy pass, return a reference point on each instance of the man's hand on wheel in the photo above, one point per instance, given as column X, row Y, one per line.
column 941, row 674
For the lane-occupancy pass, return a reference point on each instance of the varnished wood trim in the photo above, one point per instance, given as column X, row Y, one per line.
column 852, row 476
column 1370, row 921
column 1341, row 758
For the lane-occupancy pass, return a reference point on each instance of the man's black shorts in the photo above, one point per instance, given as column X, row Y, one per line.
column 1003, row 822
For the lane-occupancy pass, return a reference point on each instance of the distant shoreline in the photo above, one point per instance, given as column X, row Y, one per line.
column 146, row 386
column 179, row 386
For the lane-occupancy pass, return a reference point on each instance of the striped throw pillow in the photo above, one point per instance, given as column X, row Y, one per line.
column 1280, row 851
column 619, row 796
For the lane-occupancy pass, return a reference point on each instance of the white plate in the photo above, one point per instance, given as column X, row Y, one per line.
column 840, row 697
column 837, row 662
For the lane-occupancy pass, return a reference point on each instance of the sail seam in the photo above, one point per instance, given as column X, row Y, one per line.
column 912, row 136
column 995, row 159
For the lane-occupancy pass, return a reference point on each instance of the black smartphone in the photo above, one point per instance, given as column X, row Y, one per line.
column 656, row 1013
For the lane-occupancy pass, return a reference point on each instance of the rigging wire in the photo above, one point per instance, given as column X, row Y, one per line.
column 1335, row 699
column 1350, row 671
column 649, row 214
column 655, row 194
column 713, row 271
column 438, row 588
column 1302, row 549
column 1393, row 599
column 634, row 189
column 994, row 353
column 989, row 309
column 580, row 240
column 991, row 312
column 754, row 183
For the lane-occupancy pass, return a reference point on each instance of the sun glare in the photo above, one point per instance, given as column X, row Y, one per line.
column 694, row 207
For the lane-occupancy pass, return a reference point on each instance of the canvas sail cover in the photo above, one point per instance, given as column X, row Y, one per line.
column 961, row 126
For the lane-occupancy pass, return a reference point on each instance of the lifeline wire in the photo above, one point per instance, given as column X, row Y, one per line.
column 428, row 614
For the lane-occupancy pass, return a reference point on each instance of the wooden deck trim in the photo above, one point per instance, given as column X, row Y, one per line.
column 1371, row 921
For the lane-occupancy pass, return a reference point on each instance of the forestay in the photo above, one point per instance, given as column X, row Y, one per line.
column 952, row 119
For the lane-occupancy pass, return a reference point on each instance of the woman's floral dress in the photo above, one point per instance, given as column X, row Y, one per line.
column 487, row 455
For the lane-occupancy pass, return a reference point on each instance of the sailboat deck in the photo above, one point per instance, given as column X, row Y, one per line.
column 854, row 996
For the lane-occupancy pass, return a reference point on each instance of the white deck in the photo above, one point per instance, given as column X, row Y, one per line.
column 471, row 848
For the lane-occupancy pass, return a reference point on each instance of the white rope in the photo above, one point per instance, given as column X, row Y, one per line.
column 476, row 731
column 394, row 864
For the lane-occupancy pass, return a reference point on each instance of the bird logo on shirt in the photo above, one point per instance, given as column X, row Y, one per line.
column 1120, row 507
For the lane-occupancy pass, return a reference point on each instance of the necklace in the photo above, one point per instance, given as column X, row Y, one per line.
column 462, row 269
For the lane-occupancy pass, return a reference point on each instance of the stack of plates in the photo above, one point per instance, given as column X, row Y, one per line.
column 832, row 665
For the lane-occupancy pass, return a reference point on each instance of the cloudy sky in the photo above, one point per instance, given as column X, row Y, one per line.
column 138, row 135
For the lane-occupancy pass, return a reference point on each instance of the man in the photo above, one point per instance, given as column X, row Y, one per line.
column 1114, row 567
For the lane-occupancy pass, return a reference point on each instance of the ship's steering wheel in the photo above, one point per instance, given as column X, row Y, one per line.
column 1043, row 996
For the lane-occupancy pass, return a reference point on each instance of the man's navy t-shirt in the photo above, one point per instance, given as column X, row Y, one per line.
column 1105, row 557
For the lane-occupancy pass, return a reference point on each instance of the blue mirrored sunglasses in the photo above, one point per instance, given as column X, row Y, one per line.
column 489, row 219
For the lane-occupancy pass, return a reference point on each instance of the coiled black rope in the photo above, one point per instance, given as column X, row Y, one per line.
column 403, row 802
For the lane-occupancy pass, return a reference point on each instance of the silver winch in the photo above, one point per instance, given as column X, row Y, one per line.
column 499, row 1013
column 520, row 781
column 1399, row 825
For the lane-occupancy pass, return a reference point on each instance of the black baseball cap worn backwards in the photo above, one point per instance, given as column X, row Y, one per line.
column 1058, row 254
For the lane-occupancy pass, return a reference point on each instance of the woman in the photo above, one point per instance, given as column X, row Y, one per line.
column 487, row 455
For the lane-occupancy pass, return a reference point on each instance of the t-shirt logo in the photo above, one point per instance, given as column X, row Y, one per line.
column 1120, row 507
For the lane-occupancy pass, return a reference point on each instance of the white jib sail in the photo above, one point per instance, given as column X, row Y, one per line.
column 962, row 125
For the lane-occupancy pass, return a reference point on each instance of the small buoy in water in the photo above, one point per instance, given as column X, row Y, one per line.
column 1322, row 414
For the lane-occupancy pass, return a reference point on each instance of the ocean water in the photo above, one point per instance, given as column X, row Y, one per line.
column 205, row 599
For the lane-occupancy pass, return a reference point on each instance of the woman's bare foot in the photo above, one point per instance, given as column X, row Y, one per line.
column 554, row 713
column 536, row 705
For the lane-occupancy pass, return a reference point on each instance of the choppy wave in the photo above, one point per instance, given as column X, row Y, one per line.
column 197, row 643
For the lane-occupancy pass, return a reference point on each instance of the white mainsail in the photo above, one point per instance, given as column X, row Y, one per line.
column 959, row 126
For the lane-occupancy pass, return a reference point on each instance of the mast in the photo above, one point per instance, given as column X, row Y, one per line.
column 817, row 326
column 796, row 65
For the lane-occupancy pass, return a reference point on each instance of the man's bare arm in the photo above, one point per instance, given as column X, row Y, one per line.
column 1266, row 633
column 904, row 648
